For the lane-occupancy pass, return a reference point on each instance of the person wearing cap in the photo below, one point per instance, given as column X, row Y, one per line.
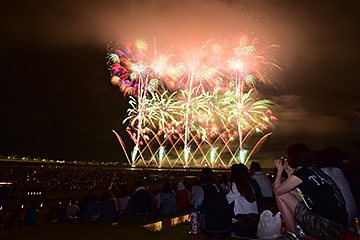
column 182, row 197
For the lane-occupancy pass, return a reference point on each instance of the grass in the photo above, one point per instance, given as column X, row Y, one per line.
column 89, row 231
column 96, row 231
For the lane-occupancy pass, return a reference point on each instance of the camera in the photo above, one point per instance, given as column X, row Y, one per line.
column 283, row 160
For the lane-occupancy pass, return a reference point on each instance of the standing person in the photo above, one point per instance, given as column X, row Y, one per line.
column 182, row 197
column 245, row 209
column 322, row 213
column 167, row 200
column 214, row 212
column 264, row 183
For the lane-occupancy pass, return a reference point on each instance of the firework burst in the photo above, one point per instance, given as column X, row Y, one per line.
column 207, row 94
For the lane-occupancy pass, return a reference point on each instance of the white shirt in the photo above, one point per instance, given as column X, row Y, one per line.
column 241, row 205
column 264, row 183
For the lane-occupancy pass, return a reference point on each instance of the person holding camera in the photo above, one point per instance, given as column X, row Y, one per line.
column 322, row 211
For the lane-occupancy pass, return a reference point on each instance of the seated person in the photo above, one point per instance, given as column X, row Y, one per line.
column 322, row 211
column 16, row 218
column 214, row 212
column 141, row 205
column 245, row 209
column 225, row 182
column 168, row 200
column 124, row 198
column 327, row 165
column 108, row 208
column 182, row 197
column 264, row 183
column 91, row 208
column 31, row 215
column 71, row 211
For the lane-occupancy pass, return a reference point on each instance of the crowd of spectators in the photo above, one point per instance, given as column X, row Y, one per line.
column 223, row 203
column 39, row 179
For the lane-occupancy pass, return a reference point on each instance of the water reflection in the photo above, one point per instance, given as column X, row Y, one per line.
column 158, row 226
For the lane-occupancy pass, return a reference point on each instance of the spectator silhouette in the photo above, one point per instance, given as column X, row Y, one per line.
column 327, row 164
column 245, row 208
column 71, row 211
column 225, row 182
column 124, row 198
column 16, row 218
column 214, row 212
column 108, row 208
column 168, row 200
column 322, row 211
column 54, row 213
column 351, row 171
column 182, row 197
column 31, row 215
column 264, row 182
column 91, row 208
column 141, row 205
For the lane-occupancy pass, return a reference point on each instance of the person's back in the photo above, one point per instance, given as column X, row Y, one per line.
column 168, row 202
column 337, row 175
column 216, row 208
column 214, row 212
column 325, row 195
column 243, row 196
column 91, row 209
column 259, row 197
column 124, row 199
column 16, row 218
column 351, row 172
column 71, row 211
column 54, row 213
column 108, row 208
column 263, row 180
column 225, row 182
column 31, row 215
column 141, row 202
column 182, row 197
column 326, row 163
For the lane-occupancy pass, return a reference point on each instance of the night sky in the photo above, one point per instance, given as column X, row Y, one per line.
column 57, row 101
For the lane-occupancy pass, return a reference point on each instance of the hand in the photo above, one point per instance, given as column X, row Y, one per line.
column 288, row 169
column 279, row 165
